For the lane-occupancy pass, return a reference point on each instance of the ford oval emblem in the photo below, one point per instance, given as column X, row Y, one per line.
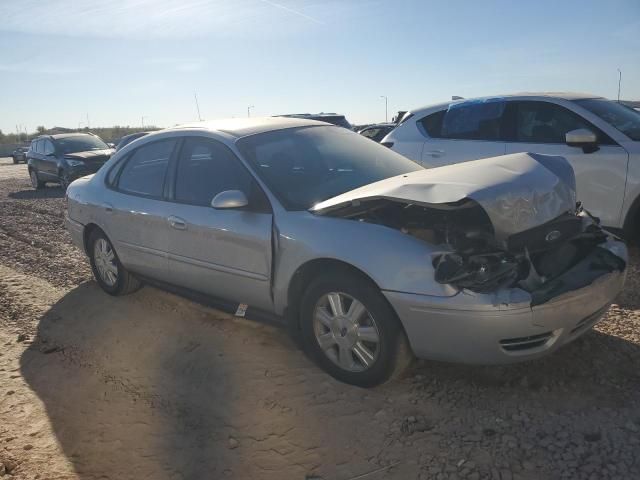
column 553, row 235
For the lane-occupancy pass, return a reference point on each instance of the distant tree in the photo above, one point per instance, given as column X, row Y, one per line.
column 41, row 129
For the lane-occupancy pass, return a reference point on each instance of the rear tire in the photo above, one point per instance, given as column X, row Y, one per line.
column 375, row 346
column 36, row 183
column 110, row 274
column 15, row 161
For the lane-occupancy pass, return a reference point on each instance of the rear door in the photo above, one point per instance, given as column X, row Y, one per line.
column 225, row 253
column 135, row 209
column 464, row 131
column 540, row 127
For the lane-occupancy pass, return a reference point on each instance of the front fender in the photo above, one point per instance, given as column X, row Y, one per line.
column 393, row 260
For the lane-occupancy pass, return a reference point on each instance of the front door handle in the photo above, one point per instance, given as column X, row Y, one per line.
column 107, row 207
column 177, row 223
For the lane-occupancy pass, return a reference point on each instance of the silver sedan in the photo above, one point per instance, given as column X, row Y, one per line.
column 367, row 256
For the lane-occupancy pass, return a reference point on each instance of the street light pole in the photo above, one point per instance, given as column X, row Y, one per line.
column 249, row 110
column 386, row 108
column 142, row 121
column 619, row 81
column 197, row 106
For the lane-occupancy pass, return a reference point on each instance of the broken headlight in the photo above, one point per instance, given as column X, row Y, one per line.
column 481, row 273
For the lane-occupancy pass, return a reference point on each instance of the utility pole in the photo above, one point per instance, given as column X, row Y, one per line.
column 249, row 110
column 197, row 106
column 619, row 82
column 142, row 121
column 88, row 124
column 386, row 108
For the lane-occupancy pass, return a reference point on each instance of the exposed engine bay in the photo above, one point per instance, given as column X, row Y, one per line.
column 507, row 221
column 536, row 260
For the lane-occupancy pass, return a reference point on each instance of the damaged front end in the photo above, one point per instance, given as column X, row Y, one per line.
column 505, row 222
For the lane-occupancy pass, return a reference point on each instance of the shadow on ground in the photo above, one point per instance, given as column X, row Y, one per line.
column 154, row 386
column 46, row 192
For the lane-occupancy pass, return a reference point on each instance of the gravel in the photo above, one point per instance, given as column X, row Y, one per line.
column 572, row 415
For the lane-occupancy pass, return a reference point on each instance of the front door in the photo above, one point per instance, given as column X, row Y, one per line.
column 221, row 252
column 540, row 127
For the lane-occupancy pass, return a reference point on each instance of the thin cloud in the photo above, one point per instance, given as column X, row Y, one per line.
column 292, row 11
column 179, row 64
column 40, row 69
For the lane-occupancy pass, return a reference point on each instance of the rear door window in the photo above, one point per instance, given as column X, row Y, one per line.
column 48, row 147
column 474, row 120
column 470, row 120
column 146, row 168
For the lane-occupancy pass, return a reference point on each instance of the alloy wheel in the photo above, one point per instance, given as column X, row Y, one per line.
column 346, row 332
column 105, row 261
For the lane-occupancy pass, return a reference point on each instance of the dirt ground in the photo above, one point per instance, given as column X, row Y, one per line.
column 155, row 386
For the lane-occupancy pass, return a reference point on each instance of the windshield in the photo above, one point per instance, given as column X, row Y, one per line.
column 306, row 165
column 80, row 144
column 619, row 116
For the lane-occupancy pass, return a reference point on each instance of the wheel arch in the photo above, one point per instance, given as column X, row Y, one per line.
column 303, row 276
column 89, row 228
column 631, row 227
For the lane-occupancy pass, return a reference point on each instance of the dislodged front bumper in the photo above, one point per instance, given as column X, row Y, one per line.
column 503, row 327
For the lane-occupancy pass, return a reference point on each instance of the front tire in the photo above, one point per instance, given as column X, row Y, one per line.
column 351, row 331
column 15, row 161
column 36, row 183
column 65, row 180
column 110, row 274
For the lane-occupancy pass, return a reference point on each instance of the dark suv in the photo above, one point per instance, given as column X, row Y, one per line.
column 333, row 118
column 65, row 157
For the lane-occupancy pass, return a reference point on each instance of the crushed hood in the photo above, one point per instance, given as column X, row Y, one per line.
column 518, row 192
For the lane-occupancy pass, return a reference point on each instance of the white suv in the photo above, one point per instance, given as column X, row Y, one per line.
column 599, row 137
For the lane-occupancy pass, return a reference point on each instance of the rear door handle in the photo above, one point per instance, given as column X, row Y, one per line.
column 177, row 223
column 107, row 207
column 435, row 153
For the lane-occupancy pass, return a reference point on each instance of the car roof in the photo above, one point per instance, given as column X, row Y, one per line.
column 528, row 95
column 242, row 127
column 69, row 135
column 378, row 125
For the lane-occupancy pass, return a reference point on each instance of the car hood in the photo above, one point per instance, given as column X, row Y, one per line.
column 90, row 155
column 518, row 192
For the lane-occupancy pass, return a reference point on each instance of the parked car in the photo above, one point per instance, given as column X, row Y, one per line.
column 127, row 139
column 64, row 157
column 377, row 132
column 357, row 247
column 332, row 118
column 600, row 139
column 20, row 154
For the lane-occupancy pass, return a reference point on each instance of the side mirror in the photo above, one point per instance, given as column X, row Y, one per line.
column 583, row 138
column 111, row 145
column 229, row 199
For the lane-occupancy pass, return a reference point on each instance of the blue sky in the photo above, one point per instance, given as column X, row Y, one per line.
column 118, row 60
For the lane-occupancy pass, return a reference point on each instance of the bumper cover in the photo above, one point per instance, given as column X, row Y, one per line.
column 504, row 327
column 76, row 230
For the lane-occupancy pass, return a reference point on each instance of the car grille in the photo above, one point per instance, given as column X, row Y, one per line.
column 589, row 321
column 525, row 343
column 547, row 236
